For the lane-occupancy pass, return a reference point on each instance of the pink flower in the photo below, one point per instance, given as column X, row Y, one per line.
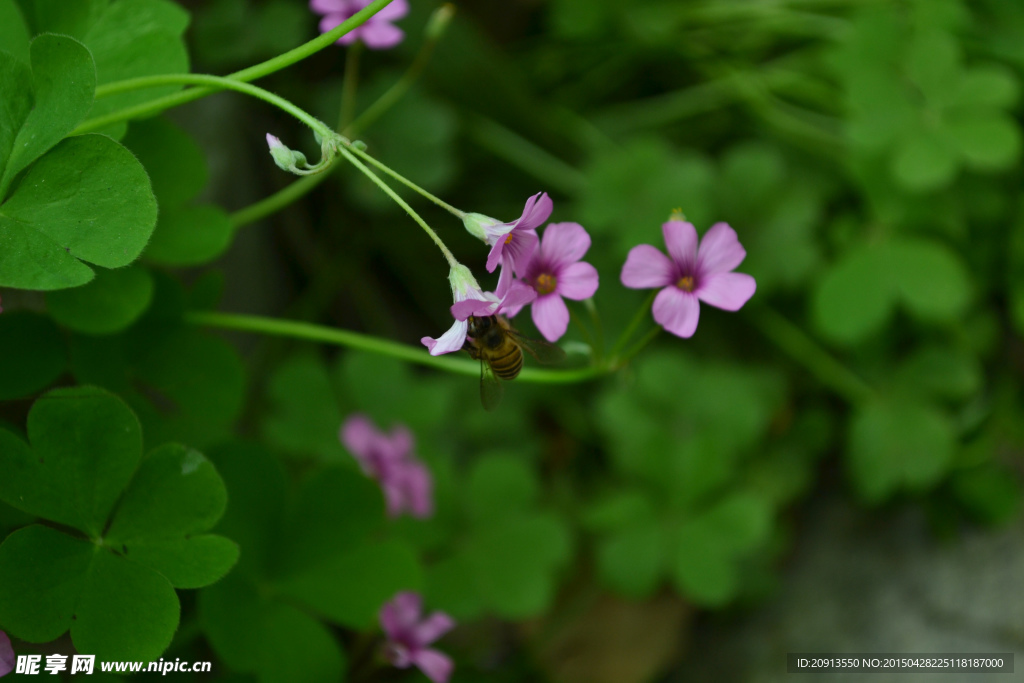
column 691, row 275
column 511, row 243
column 6, row 655
column 377, row 33
column 471, row 300
column 555, row 271
column 387, row 458
column 408, row 636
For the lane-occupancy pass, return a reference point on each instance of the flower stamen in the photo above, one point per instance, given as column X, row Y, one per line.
column 685, row 283
column 545, row 283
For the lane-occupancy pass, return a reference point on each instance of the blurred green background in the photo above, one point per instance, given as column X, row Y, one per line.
column 866, row 152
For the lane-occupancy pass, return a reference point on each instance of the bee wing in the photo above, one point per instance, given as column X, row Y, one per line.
column 544, row 352
column 491, row 388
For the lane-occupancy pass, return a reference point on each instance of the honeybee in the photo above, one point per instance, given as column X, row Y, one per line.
column 499, row 347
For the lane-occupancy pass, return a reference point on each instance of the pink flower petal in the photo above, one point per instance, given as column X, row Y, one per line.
column 417, row 487
column 519, row 251
column 551, row 316
column 331, row 6
column 728, row 291
column 564, row 243
column 504, row 281
column 461, row 310
column 720, row 250
column 394, row 497
column 400, row 615
column 494, row 255
column 358, row 435
column 380, row 35
column 450, row 341
column 537, row 210
column 435, row 665
column 6, row 655
column 518, row 295
column 681, row 240
column 395, row 10
column 677, row 311
column 577, row 281
column 432, row 628
column 647, row 267
column 400, row 442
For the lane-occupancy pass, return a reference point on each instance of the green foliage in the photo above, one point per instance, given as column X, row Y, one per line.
column 305, row 556
column 114, row 588
column 32, row 354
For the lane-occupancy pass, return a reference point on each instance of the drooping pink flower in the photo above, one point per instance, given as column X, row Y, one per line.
column 408, row 636
column 6, row 655
column 405, row 481
column 378, row 33
column 511, row 243
column 690, row 274
column 555, row 271
column 471, row 300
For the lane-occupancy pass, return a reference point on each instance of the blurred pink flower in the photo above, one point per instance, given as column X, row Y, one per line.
column 377, row 33
column 6, row 655
column 555, row 271
column 690, row 274
column 408, row 636
column 406, row 482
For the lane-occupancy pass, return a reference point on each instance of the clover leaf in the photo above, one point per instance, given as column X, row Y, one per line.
column 307, row 557
column 186, row 234
column 858, row 294
column 140, row 523
column 63, row 201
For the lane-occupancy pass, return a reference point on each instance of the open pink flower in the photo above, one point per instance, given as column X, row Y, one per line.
column 555, row 271
column 408, row 636
column 690, row 274
column 6, row 655
column 377, row 33
column 388, row 459
column 511, row 243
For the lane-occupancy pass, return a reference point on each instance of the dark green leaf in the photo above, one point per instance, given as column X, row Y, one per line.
column 351, row 588
column 854, row 299
column 190, row 236
column 924, row 161
column 112, row 301
column 63, row 82
column 305, row 417
column 630, row 561
column 895, row 443
column 85, row 445
column 126, row 611
column 930, row 278
column 498, row 486
column 87, row 199
column 14, row 35
column 175, row 163
column 988, row 140
column 32, row 354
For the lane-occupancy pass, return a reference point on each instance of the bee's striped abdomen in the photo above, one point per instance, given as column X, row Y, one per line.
column 507, row 365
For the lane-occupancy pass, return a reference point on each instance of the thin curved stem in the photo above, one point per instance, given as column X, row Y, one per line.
column 251, row 73
column 303, row 186
column 408, row 183
column 349, row 85
column 363, row 342
column 222, row 83
column 627, row 333
column 347, row 153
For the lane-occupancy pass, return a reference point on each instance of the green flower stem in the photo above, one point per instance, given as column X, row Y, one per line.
column 408, row 183
column 221, row 82
column 347, row 153
column 627, row 334
column 277, row 201
column 395, row 93
column 640, row 345
column 245, row 75
column 349, row 85
column 303, row 186
column 595, row 320
column 363, row 342
column 803, row 349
